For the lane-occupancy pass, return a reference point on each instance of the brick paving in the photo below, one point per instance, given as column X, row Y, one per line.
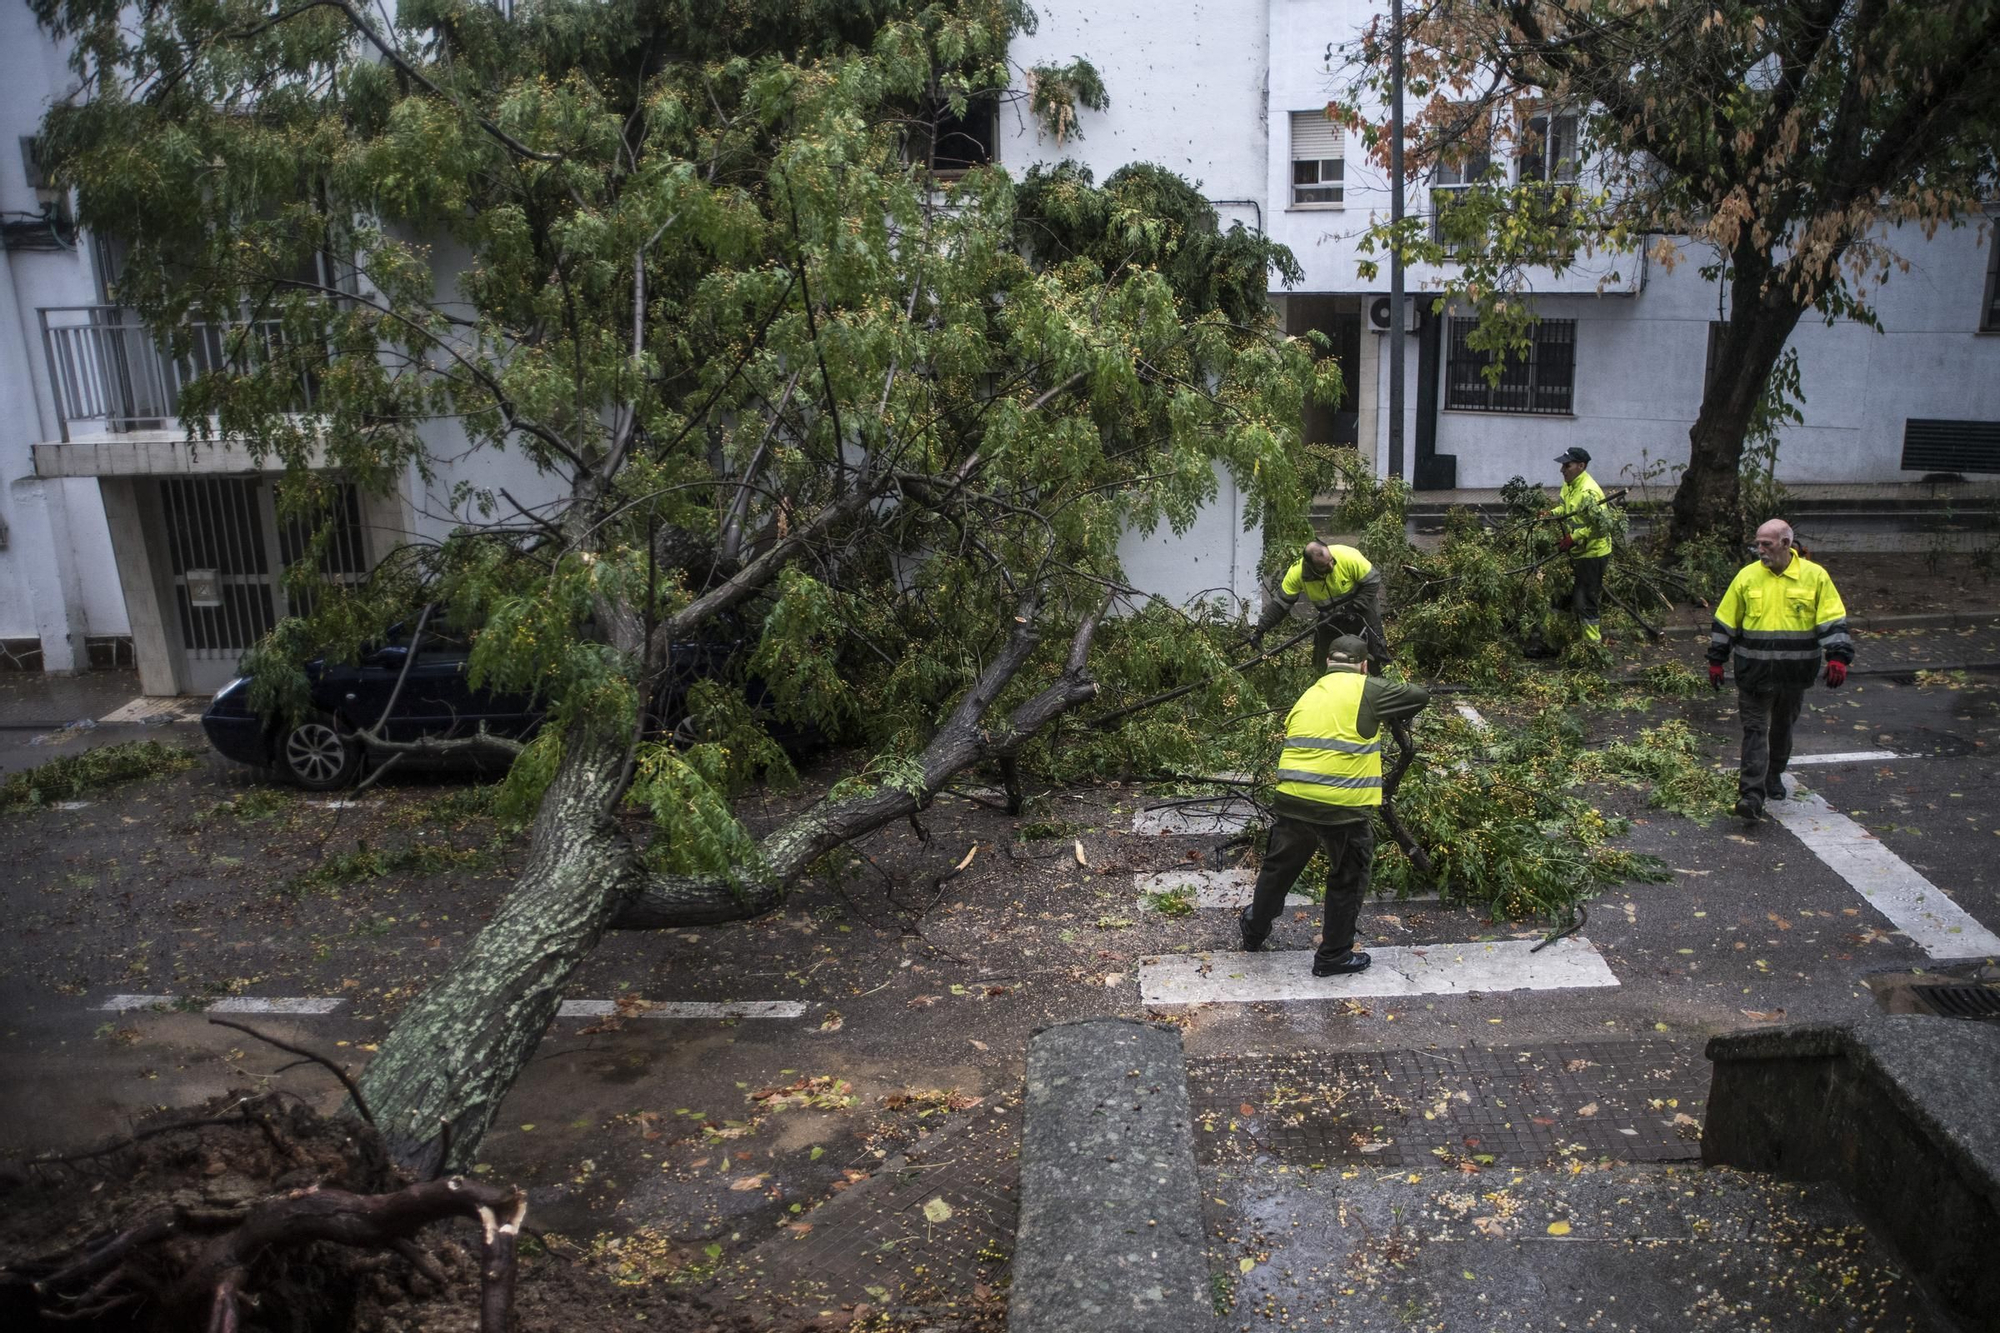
column 1520, row 1106
column 887, row 1242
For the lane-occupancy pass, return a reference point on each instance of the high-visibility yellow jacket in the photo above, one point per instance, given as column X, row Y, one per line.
column 1326, row 759
column 1579, row 498
column 1779, row 625
column 1349, row 568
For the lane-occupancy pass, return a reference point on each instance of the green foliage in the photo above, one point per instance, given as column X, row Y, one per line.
column 779, row 396
column 72, row 775
column 1668, row 762
column 1504, row 832
column 1056, row 91
column 685, row 791
column 1672, row 680
column 371, row 863
column 1173, row 903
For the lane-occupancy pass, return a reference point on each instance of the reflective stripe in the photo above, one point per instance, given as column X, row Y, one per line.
column 1772, row 636
column 1779, row 654
column 1326, row 779
column 1331, row 743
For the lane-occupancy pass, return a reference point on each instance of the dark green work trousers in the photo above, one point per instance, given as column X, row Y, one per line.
column 1350, row 855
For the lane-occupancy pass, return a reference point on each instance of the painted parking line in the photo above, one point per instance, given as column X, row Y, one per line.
column 1220, row 816
column 321, row 1005
column 1849, row 757
column 1917, row 907
column 1231, row 889
column 683, row 1009
column 1434, row 969
column 235, row 1004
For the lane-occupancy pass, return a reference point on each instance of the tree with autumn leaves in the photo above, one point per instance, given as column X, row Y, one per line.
column 1788, row 148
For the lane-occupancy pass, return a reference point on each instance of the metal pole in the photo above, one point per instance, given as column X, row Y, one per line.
column 1396, row 250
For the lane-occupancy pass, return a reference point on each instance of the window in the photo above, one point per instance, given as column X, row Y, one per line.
column 959, row 143
column 1547, row 151
column 1542, row 382
column 1318, row 171
column 1989, row 314
column 1448, row 183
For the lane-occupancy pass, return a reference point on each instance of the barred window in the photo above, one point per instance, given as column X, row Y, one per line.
column 1542, row 382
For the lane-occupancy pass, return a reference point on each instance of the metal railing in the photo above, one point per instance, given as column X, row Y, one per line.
column 107, row 368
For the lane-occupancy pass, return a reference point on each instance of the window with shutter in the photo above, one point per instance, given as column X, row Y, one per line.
column 1318, row 168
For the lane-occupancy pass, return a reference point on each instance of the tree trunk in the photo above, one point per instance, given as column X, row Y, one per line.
column 1708, row 500
column 455, row 1052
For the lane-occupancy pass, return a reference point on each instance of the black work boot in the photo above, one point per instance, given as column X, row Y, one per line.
column 1351, row 961
column 1252, row 938
column 1749, row 811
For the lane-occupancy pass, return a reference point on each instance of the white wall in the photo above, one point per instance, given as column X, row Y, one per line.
column 57, row 579
column 1640, row 361
column 1215, row 558
column 1186, row 85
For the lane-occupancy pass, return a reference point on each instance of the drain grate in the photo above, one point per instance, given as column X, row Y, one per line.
column 1959, row 1001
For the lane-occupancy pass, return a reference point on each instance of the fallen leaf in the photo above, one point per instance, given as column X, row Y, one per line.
column 1762, row 1015
column 1490, row 1226
column 970, row 852
column 1558, row 1228
column 923, row 1001
column 1080, row 858
column 937, row 1211
column 1589, row 1110
column 1245, row 1265
column 744, row 1184
column 977, row 1044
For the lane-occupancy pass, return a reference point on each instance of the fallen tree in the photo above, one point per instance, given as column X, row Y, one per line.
column 786, row 395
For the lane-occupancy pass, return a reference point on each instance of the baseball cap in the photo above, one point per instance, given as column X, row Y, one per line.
column 1573, row 455
column 1348, row 648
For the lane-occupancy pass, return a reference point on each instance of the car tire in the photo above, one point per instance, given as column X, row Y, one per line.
column 314, row 755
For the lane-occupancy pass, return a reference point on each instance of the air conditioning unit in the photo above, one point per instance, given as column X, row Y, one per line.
column 1378, row 314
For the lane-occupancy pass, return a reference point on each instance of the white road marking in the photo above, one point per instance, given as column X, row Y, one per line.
column 295, row 1004
column 1917, row 907
column 1849, row 757
column 239, row 1004
column 1434, row 969
column 684, row 1009
column 1232, row 888
column 1209, row 817
column 319, row 1005
column 1471, row 714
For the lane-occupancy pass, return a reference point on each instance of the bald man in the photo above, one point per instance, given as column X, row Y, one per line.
column 1327, row 575
column 1779, row 617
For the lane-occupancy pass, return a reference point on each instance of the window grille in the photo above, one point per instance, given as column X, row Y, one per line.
column 1543, row 382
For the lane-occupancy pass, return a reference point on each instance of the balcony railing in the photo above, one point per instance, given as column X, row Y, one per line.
column 108, row 370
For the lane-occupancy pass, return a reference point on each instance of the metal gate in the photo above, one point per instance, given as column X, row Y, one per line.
column 227, row 551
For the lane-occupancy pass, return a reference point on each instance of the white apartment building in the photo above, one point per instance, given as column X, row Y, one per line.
column 119, row 538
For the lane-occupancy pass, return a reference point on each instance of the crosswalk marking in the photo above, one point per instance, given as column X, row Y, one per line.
column 1434, row 969
column 321, row 1005
column 1220, row 816
column 1917, row 907
column 1232, row 888
column 1850, row 757
column 683, row 1009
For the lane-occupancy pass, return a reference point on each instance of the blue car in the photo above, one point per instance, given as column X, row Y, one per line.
column 323, row 751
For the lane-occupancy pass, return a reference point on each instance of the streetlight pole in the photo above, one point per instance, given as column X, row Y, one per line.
column 1396, row 246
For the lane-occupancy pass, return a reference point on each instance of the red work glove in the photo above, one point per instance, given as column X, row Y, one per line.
column 1566, row 542
column 1715, row 675
column 1836, row 675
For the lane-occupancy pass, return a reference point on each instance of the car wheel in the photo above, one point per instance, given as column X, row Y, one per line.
column 317, row 757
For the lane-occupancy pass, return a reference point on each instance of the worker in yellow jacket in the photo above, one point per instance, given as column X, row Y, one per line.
column 1329, row 787
column 1588, row 545
column 1779, row 617
column 1327, row 575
